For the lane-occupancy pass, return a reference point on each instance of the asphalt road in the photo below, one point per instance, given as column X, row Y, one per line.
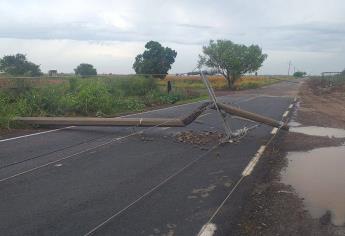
column 117, row 181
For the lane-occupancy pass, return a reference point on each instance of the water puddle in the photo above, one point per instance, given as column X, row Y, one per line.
column 319, row 131
column 319, row 177
column 294, row 124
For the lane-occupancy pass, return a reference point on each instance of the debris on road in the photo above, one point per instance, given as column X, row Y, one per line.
column 199, row 138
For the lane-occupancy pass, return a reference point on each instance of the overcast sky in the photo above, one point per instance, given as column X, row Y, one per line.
column 109, row 34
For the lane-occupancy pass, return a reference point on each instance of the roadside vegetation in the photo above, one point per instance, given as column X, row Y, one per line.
column 105, row 96
column 93, row 96
column 25, row 91
column 219, row 83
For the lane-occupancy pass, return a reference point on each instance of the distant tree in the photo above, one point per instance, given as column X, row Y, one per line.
column 155, row 60
column 85, row 69
column 299, row 74
column 18, row 65
column 343, row 72
column 231, row 60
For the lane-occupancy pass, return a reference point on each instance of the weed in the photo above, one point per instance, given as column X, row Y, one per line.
column 95, row 96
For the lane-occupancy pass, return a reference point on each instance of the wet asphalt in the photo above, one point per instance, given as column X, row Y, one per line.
column 116, row 181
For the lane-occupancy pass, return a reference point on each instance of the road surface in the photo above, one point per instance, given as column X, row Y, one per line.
column 118, row 181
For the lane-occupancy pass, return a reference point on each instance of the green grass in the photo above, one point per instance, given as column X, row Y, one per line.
column 102, row 97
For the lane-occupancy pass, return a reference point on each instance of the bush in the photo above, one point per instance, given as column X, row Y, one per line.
column 93, row 98
column 5, row 111
column 87, row 97
column 125, row 105
column 137, row 86
column 45, row 101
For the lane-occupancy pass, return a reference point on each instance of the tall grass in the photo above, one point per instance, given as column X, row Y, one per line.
column 102, row 96
column 87, row 97
column 218, row 82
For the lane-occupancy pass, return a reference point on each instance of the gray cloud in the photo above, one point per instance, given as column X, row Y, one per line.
column 313, row 36
column 299, row 29
column 86, row 31
column 196, row 26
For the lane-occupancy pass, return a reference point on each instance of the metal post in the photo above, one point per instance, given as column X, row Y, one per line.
column 213, row 98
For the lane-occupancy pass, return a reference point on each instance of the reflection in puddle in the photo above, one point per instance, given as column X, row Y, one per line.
column 319, row 131
column 319, row 177
column 294, row 124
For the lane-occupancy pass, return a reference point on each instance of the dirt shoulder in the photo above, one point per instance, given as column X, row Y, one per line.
column 275, row 208
column 322, row 106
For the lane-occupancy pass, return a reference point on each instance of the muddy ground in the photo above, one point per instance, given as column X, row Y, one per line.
column 275, row 208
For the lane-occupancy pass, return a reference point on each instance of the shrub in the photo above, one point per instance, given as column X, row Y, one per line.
column 137, row 86
column 92, row 98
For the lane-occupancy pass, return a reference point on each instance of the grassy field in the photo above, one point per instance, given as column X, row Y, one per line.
column 103, row 96
column 97, row 96
column 218, row 82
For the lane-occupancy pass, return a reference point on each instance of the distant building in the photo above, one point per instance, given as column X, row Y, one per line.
column 52, row 73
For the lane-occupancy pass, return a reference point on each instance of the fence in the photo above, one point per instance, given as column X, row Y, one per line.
column 332, row 78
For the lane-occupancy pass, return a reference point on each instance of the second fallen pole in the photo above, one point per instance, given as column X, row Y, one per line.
column 252, row 116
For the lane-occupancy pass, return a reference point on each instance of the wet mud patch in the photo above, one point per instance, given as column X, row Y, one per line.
column 303, row 142
column 322, row 107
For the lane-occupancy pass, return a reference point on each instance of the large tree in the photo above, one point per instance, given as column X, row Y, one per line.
column 156, row 60
column 85, row 69
column 232, row 60
column 18, row 65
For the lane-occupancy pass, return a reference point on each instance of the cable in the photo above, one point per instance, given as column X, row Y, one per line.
column 239, row 181
column 48, row 153
column 149, row 192
column 78, row 153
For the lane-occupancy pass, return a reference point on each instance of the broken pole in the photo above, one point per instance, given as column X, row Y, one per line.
column 252, row 116
column 117, row 121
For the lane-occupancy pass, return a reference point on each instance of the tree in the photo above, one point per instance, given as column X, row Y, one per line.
column 85, row 69
column 299, row 74
column 156, row 60
column 18, row 65
column 232, row 60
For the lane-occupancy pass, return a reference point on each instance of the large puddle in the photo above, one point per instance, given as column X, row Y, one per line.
column 318, row 131
column 319, row 177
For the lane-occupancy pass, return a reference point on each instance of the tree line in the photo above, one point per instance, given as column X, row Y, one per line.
column 222, row 56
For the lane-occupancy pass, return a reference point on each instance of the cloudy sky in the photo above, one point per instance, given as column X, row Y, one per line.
column 109, row 34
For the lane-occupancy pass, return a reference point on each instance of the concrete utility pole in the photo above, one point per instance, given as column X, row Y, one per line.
column 149, row 122
column 167, row 122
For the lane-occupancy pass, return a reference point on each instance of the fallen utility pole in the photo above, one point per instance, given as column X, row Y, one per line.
column 252, row 116
column 148, row 122
column 162, row 122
